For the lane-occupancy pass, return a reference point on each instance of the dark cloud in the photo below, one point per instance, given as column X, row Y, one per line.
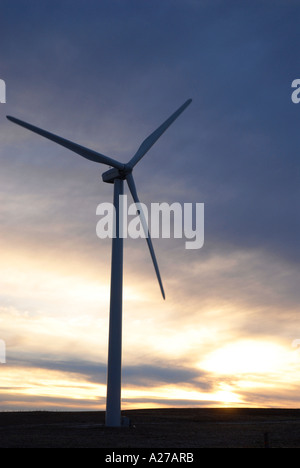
column 106, row 74
column 136, row 375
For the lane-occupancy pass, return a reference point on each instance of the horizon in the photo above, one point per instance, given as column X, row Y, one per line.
column 105, row 76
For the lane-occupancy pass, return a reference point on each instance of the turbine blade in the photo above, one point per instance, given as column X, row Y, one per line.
column 151, row 139
column 85, row 152
column 132, row 188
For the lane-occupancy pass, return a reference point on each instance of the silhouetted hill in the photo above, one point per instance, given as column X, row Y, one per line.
column 154, row 428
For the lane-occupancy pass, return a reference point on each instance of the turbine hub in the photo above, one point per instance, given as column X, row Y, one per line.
column 114, row 173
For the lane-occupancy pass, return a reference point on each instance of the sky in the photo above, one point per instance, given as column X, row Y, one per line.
column 105, row 74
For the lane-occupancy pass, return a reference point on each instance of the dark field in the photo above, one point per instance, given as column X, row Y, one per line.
column 154, row 428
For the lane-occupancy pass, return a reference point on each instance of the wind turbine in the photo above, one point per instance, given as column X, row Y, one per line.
column 116, row 176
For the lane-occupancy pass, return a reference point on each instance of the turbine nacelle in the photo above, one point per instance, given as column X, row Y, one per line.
column 114, row 173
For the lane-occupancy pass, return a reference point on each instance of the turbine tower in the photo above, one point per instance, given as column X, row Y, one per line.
column 116, row 176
